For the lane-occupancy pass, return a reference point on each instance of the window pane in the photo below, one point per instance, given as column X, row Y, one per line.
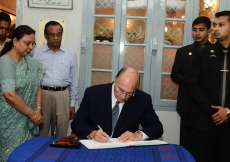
column 175, row 8
column 102, row 57
column 135, row 31
column 105, row 7
column 208, row 8
column 168, row 89
column 101, row 78
column 141, row 81
column 136, row 8
column 174, row 33
column 134, row 57
column 103, row 30
column 105, row 77
column 168, row 60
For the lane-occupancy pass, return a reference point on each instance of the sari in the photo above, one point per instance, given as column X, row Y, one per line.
column 24, row 78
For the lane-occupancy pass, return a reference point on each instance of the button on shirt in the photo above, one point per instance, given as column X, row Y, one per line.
column 121, row 104
column 61, row 69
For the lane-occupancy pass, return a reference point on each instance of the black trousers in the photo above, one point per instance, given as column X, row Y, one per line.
column 184, row 141
column 212, row 145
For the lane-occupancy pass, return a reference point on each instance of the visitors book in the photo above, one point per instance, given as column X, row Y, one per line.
column 113, row 143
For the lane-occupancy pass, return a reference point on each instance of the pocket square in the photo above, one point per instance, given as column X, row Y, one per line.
column 213, row 55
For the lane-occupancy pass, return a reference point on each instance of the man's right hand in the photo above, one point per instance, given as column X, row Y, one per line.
column 220, row 116
column 99, row 136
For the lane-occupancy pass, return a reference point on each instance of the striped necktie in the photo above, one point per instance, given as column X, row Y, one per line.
column 115, row 113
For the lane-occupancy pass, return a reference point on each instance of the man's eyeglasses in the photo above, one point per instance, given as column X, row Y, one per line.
column 52, row 35
column 6, row 29
column 121, row 91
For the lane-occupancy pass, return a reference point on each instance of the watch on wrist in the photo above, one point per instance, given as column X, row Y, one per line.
column 228, row 112
column 140, row 133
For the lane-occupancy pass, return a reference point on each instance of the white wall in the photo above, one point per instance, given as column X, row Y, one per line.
column 171, row 124
column 9, row 6
column 32, row 16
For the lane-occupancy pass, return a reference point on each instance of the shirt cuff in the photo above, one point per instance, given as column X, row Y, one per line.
column 72, row 103
column 145, row 137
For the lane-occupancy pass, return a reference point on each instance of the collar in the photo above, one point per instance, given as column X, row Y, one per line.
column 46, row 48
column 113, row 96
column 197, row 45
column 7, row 39
column 220, row 47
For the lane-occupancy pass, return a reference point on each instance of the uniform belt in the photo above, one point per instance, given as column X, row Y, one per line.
column 53, row 88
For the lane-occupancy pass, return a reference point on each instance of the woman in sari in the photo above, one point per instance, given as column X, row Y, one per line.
column 20, row 93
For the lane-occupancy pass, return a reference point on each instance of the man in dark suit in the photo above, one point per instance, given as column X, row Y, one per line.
column 94, row 118
column 200, row 31
column 209, row 128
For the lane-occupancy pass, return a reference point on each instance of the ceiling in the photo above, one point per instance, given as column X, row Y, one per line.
column 8, row 6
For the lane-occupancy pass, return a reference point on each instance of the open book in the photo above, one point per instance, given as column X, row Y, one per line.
column 113, row 143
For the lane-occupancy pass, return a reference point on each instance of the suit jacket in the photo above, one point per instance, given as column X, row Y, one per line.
column 204, row 87
column 179, row 75
column 96, row 109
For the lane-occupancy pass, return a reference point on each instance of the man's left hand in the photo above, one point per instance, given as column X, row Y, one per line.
column 130, row 136
column 220, row 116
column 71, row 112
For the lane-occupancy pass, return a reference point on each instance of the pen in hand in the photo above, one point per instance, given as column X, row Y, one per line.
column 99, row 127
column 102, row 130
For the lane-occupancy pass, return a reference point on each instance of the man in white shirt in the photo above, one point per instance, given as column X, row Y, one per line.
column 60, row 81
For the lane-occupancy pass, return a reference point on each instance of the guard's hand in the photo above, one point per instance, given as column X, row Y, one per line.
column 71, row 112
column 220, row 116
column 130, row 136
column 99, row 136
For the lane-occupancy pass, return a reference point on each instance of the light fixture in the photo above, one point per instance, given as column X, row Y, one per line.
column 171, row 12
column 166, row 29
column 209, row 4
column 174, row 22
